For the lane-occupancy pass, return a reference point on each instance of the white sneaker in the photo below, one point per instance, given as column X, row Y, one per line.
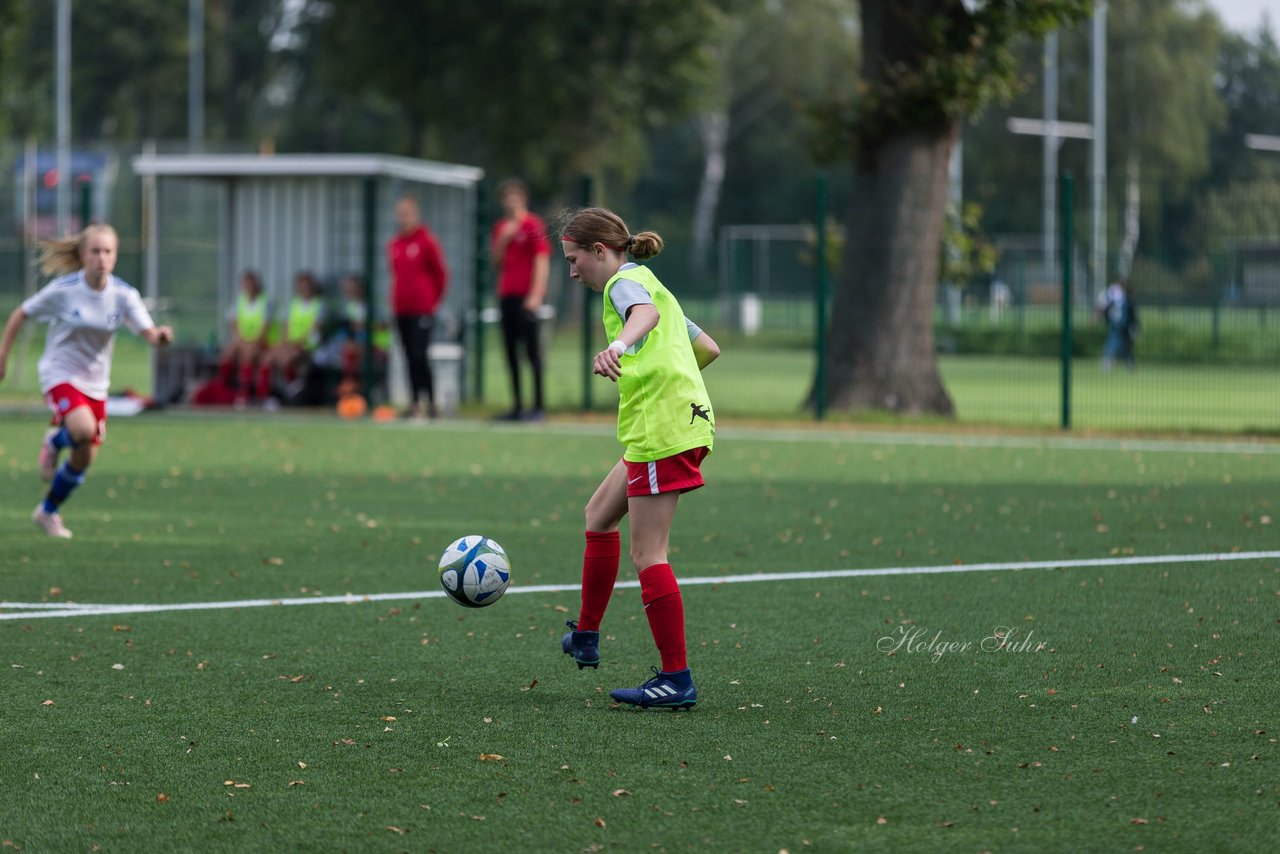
column 50, row 523
column 48, row 456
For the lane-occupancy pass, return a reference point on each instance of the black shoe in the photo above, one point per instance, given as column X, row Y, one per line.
column 583, row 646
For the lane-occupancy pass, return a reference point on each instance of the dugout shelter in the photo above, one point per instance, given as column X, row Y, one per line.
column 330, row 214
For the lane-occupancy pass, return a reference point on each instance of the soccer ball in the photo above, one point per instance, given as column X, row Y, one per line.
column 475, row 571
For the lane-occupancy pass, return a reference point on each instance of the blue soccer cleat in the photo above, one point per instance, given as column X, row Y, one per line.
column 664, row 690
column 583, row 646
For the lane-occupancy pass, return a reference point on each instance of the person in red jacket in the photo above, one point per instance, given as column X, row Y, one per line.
column 419, row 279
column 522, row 252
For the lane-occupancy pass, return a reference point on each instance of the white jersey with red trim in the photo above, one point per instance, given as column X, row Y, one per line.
column 82, row 330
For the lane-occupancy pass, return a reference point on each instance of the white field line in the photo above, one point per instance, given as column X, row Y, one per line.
column 48, row 610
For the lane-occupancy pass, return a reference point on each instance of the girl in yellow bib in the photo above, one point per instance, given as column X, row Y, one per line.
column 293, row 339
column 666, row 427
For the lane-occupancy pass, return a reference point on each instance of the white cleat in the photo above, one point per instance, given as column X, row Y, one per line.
column 48, row 456
column 50, row 523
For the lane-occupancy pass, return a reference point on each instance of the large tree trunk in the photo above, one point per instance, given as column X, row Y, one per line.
column 880, row 348
column 1132, row 211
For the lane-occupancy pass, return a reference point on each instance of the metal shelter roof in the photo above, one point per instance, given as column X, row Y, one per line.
column 306, row 165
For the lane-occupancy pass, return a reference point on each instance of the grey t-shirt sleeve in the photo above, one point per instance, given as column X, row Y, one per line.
column 627, row 294
column 694, row 329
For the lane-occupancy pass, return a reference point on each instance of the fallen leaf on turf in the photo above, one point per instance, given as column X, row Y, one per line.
column 881, row 820
column 618, row 793
column 347, row 741
column 387, row 718
column 492, row 757
column 47, row 703
column 302, row 765
column 728, row 758
column 400, row 830
column 119, row 628
column 531, row 686
column 162, row 798
column 562, row 609
column 274, row 561
column 477, row 818
column 599, row 822
column 1138, row 821
column 293, row 783
column 740, row 802
column 117, row 667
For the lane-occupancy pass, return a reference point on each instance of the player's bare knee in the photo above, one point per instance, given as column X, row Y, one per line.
column 644, row 558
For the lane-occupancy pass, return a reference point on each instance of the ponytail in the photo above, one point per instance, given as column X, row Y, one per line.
column 61, row 256
column 644, row 245
column 589, row 226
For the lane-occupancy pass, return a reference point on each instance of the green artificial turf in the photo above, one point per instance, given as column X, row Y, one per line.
column 366, row 726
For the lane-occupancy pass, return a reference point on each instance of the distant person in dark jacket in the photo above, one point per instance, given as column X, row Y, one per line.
column 1117, row 309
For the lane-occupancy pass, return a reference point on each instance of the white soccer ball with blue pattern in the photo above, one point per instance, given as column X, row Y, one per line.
column 475, row 571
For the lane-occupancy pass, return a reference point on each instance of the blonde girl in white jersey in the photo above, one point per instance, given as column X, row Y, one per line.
column 84, row 307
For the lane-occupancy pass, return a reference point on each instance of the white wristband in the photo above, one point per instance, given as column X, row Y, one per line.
column 617, row 344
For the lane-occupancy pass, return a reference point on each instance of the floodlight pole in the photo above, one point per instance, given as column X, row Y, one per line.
column 1098, row 147
column 1049, row 173
column 62, row 108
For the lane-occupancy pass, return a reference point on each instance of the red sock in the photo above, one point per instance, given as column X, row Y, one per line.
column 264, row 382
column 599, row 574
column 225, row 369
column 665, row 610
column 246, row 378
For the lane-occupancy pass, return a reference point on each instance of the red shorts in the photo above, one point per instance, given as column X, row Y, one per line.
column 65, row 397
column 680, row 473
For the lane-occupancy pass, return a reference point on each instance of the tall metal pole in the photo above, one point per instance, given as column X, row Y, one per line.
column 195, row 75
column 482, row 286
column 1068, row 249
column 1098, row 148
column 62, row 97
column 586, row 192
column 820, row 297
column 370, row 247
column 1051, row 143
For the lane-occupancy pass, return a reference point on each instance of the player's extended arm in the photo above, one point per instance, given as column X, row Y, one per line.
column 641, row 320
column 11, row 328
column 705, row 350
column 157, row 336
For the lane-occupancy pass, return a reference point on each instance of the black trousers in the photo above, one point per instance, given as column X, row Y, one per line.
column 415, row 338
column 520, row 326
